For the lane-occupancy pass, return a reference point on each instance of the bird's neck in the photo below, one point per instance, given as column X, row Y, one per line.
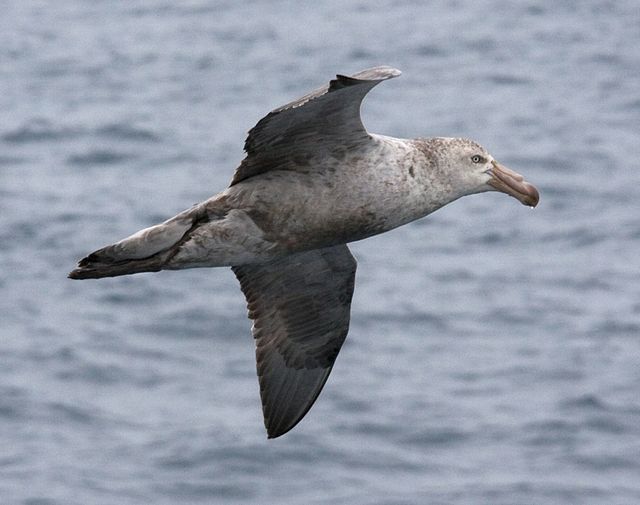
column 411, row 181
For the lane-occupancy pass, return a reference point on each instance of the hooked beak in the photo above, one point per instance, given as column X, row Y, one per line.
column 512, row 183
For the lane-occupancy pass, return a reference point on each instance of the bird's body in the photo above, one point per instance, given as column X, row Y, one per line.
column 313, row 180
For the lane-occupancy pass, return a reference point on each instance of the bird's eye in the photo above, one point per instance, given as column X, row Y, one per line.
column 476, row 158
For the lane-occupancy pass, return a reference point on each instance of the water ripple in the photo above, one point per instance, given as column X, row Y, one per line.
column 127, row 132
column 39, row 130
column 100, row 157
column 493, row 351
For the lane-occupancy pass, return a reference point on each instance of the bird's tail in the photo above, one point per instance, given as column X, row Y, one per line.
column 95, row 266
column 145, row 251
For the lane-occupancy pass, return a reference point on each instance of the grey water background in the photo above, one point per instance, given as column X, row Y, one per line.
column 494, row 353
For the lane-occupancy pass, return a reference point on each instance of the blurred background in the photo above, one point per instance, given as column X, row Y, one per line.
column 494, row 353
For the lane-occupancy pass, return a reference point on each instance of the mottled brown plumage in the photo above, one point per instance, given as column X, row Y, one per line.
column 313, row 180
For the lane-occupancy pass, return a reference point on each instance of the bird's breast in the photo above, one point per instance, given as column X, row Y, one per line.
column 347, row 199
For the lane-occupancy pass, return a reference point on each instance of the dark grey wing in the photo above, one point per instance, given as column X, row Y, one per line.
column 314, row 126
column 300, row 309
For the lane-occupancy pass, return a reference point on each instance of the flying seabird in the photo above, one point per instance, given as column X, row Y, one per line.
column 313, row 180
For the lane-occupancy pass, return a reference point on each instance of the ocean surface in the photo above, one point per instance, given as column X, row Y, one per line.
column 494, row 350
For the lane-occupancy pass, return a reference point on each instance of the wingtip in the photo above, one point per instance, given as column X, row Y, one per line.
column 380, row 73
column 278, row 433
column 392, row 71
column 275, row 430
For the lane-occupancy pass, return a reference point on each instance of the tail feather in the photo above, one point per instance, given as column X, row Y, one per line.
column 144, row 251
column 93, row 267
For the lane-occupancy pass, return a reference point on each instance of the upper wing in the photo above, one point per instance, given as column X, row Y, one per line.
column 321, row 122
column 300, row 306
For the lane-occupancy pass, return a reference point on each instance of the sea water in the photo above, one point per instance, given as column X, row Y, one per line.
column 494, row 352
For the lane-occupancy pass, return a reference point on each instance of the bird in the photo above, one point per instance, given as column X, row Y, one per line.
column 312, row 181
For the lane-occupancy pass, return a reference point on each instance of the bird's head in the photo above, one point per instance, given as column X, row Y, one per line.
column 472, row 169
